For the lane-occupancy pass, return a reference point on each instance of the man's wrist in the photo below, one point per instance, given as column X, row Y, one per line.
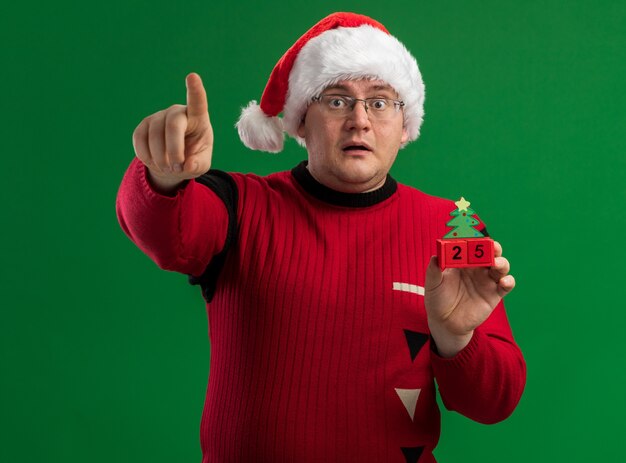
column 164, row 186
column 447, row 344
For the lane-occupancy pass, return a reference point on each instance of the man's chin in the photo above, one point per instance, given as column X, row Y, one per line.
column 358, row 180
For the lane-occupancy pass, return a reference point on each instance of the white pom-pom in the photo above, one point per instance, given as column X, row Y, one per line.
column 259, row 131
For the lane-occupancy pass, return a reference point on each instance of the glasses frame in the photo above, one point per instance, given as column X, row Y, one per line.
column 352, row 101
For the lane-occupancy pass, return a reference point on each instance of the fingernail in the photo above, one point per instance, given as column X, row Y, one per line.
column 177, row 168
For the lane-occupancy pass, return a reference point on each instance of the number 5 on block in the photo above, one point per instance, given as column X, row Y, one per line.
column 465, row 252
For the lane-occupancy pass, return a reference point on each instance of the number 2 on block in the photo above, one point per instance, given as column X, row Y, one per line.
column 456, row 252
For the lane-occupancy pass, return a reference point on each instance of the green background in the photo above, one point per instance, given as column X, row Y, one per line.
column 105, row 357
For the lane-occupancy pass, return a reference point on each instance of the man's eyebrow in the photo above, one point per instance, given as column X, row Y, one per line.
column 383, row 87
column 376, row 88
column 337, row 87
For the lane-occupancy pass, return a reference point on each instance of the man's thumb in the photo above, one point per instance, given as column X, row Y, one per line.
column 434, row 275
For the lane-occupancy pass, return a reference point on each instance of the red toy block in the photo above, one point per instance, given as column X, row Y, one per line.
column 480, row 251
column 465, row 252
column 452, row 253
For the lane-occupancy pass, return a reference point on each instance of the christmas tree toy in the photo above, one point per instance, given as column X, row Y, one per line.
column 464, row 245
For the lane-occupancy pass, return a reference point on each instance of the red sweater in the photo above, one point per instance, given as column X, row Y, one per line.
column 320, row 349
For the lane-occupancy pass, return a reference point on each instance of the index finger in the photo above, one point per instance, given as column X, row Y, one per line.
column 197, row 106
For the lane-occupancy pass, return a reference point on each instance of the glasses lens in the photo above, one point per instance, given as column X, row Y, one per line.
column 337, row 104
column 342, row 106
column 381, row 108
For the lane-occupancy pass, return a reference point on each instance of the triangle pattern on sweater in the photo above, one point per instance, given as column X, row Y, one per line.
column 415, row 341
column 409, row 399
column 412, row 454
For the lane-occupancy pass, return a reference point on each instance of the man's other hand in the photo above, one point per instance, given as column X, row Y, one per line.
column 458, row 300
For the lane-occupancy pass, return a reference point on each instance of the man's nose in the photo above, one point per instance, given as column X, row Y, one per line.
column 358, row 117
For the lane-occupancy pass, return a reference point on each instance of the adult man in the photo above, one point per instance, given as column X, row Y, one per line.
column 329, row 320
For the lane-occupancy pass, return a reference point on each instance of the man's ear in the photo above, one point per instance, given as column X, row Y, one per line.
column 301, row 131
column 405, row 136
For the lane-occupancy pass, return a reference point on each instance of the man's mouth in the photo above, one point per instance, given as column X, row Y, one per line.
column 356, row 148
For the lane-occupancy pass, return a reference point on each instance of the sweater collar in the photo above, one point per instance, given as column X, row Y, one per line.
column 338, row 198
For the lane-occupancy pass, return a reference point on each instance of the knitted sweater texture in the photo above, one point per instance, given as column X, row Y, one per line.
column 320, row 348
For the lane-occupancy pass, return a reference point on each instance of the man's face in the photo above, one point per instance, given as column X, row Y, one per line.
column 332, row 142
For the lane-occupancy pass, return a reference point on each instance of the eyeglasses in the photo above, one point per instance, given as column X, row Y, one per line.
column 342, row 105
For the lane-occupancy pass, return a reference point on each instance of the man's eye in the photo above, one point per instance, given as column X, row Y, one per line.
column 378, row 104
column 336, row 103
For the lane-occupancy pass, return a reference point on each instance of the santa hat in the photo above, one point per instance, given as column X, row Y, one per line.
column 342, row 46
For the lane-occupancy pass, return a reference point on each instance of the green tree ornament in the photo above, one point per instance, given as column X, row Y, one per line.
column 463, row 222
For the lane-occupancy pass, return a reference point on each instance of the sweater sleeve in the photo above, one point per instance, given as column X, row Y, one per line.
column 179, row 233
column 485, row 380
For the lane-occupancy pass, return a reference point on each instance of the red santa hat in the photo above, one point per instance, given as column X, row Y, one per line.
column 342, row 46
